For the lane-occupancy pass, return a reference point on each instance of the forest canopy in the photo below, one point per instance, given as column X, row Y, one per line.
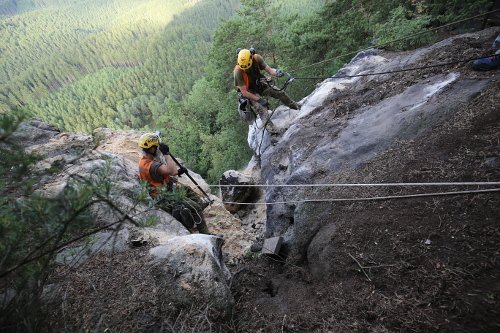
column 167, row 64
column 107, row 63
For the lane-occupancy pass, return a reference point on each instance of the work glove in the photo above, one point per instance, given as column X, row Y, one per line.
column 164, row 149
column 279, row 73
column 263, row 102
column 182, row 170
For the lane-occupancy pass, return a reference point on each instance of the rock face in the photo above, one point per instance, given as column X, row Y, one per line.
column 346, row 122
column 106, row 241
column 196, row 260
column 190, row 271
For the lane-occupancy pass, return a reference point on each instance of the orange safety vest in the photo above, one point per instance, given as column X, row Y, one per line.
column 145, row 164
column 255, row 73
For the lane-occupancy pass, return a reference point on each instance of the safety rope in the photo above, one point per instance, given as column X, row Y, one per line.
column 395, row 40
column 268, row 117
column 389, row 197
column 263, row 131
column 363, row 185
column 398, row 70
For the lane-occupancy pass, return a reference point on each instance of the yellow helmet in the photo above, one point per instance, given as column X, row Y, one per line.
column 245, row 59
column 149, row 140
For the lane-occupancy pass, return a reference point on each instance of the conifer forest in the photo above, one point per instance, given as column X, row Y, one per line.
column 167, row 64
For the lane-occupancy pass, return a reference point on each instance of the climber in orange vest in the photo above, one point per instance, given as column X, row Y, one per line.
column 157, row 173
column 253, row 86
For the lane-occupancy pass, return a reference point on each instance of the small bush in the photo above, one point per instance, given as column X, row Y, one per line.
column 34, row 228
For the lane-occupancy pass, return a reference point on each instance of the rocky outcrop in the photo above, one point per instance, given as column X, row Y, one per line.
column 237, row 193
column 346, row 122
column 69, row 157
column 190, row 271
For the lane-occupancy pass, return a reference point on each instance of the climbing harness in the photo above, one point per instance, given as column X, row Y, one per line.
column 189, row 211
column 245, row 109
column 443, row 64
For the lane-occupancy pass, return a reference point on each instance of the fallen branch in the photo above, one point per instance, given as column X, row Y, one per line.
column 283, row 323
column 361, row 267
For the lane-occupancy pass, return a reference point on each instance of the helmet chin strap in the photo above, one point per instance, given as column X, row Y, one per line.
column 148, row 151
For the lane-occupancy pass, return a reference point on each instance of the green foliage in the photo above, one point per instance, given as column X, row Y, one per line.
column 33, row 227
column 84, row 70
column 169, row 198
column 9, row 147
column 168, row 64
column 225, row 149
column 402, row 23
column 149, row 221
column 445, row 11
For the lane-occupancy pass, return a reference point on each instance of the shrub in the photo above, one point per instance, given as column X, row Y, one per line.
column 402, row 23
column 34, row 228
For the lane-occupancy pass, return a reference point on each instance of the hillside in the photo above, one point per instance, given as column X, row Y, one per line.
column 412, row 264
column 166, row 65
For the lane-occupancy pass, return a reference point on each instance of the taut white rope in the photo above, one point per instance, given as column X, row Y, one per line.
column 361, row 185
column 367, row 199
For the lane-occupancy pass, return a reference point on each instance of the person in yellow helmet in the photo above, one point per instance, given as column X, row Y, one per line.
column 156, row 167
column 253, row 86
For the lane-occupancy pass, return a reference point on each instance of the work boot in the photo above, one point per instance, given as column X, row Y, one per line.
column 271, row 128
column 294, row 106
column 487, row 64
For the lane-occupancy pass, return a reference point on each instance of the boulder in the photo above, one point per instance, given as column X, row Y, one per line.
column 35, row 131
column 123, row 143
column 105, row 241
column 237, row 194
column 190, row 270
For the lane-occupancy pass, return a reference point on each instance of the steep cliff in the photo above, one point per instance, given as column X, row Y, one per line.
column 386, row 265
column 403, row 264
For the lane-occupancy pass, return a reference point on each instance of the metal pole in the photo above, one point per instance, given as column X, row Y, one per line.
column 189, row 176
column 187, row 173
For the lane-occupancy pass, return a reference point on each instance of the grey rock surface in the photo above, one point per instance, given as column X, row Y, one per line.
column 190, row 270
column 323, row 139
column 237, row 194
column 105, row 241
